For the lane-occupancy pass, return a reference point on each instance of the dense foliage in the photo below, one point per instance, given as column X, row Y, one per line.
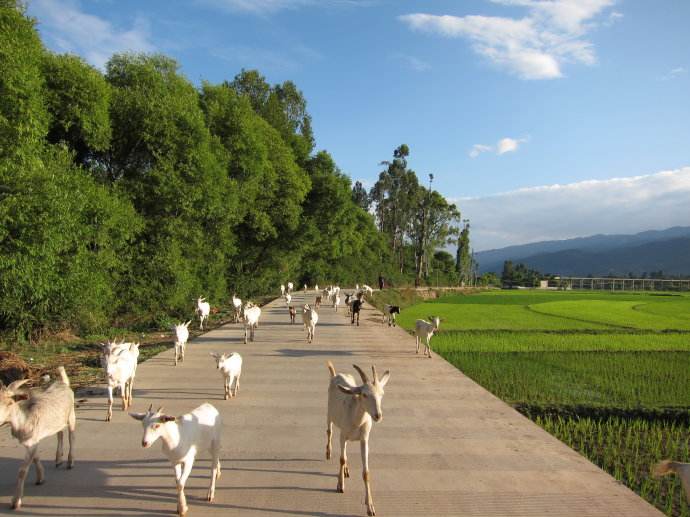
column 124, row 195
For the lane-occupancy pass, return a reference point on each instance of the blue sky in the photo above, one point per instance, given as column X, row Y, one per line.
column 556, row 118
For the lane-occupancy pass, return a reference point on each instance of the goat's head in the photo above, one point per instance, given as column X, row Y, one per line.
column 153, row 422
column 370, row 392
column 435, row 321
column 9, row 396
column 220, row 358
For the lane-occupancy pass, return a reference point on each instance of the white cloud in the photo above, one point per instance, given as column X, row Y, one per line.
column 264, row 7
column 478, row 149
column 674, row 73
column 509, row 145
column 505, row 145
column 532, row 47
column 617, row 205
column 96, row 39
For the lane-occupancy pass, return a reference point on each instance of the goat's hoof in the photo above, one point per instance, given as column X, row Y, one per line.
column 328, row 455
column 70, row 465
column 58, row 464
column 209, row 498
column 39, row 482
column 16, row 504
column 371, row 511
column 340, row 489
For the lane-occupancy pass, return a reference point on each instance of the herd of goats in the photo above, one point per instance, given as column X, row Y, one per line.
column 37, row 413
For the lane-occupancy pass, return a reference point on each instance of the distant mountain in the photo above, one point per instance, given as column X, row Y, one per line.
column 600, row 255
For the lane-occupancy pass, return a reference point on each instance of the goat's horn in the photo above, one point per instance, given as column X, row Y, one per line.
column 373, row 370
column 159, row 410
column 150, row 410
column 365, row 379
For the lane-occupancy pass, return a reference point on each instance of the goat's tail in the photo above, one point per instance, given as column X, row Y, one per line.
column 331, row 368
column 63, row 375
column 664, row 467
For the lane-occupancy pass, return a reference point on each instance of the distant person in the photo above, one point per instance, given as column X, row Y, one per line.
column 381, row 282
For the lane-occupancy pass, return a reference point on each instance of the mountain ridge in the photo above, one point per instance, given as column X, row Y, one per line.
column 600, row 254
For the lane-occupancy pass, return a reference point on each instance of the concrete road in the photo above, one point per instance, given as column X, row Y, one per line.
column 445, row 446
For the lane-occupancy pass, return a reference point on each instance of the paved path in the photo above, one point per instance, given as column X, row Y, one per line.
column 445, row 446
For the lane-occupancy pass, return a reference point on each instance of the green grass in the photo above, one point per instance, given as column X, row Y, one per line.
column 626, row 448
column 606, row 372
column 651, row 380
column 487, row 317
column 510, row 341
column 622, row 314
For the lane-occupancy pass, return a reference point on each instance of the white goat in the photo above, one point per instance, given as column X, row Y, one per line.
column 336, row 301
column 181, row 338
column 674, row 467
column 203, row 309
column 288, row 299
column 368, row 289
column 34, row 415
column 120, row 370
column 230, row 365
column 353, row 409
column 316, row 287
column 237, row 308
column 424, row 329
column 282, row 290
column 289, row 287
column 310, row 318
column 252, row 313
column 305, row 288
column 182, row 437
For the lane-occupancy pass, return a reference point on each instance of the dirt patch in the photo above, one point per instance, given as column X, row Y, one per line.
column 13, row 367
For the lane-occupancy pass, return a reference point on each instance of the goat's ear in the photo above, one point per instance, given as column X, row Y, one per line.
column 348, row 390
column 166, row 418
column 385, row 378
column 214, row 355
column 20, row 396
column 138, row 416
column 187, row 324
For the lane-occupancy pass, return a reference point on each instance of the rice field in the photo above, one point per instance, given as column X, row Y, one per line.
column 607, row 373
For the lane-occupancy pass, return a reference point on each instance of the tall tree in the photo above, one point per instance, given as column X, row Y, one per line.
column 78, row 99
column 360, row 196
column 463, row 262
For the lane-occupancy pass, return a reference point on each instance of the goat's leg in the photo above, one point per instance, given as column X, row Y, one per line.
column 123, row 395
column 176, row 352
column 428, row 349
column 343, row 464
column 226, row 389
column 364, row 448
column 215, row 470
column 416, row 340
column 245, row 334
column 21, row 476
column 40, row 472
column 71, row 437
column 182, row 481
column 58, row 453
column 329, row 435
column 237, row 384
column 233, row 385
column 109, row 414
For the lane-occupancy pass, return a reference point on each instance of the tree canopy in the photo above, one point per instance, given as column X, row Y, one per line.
column 125, row 195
